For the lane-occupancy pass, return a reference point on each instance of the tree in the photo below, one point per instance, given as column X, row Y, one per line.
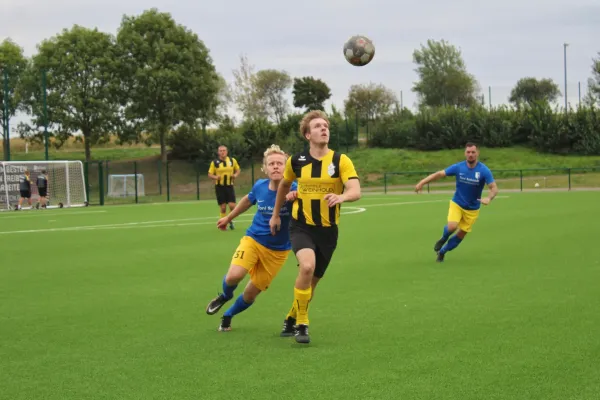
column 217, row 108
column 369, row 101
column 14, row 63
column 271, row 86
column 310, row 93
column 245, row 93
column 531, row 90
column 443, row 76
column 81, row 77
column 167, row 76
column 593, row 95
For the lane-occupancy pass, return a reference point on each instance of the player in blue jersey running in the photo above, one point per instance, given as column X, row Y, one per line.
column 259, row 253
column 471, row 176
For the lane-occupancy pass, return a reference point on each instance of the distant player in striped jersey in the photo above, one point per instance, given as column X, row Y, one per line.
column 223, row 172
column 42, row 185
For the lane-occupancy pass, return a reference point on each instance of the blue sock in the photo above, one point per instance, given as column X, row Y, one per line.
column 446, row 234
column 237, row 307
column 228, row 290
column 451, row 245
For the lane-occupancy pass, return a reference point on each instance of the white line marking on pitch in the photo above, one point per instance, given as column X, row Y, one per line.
column 187, row 221
column 42, row 213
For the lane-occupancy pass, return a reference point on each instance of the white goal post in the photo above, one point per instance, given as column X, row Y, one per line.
column 123, row 185
column 66, row 183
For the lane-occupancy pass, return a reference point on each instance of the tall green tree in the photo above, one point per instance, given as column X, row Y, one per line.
column 271, row 87
column 14, row 63
column 593, row 94
column 530, row 90
column 217, row 107
column 310, row 93
column 369, row 101
column 443, row 76
column 245, row 92
column 167, row 74
column 81, row 77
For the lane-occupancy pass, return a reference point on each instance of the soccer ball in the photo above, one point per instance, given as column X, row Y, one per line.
column 359, row 50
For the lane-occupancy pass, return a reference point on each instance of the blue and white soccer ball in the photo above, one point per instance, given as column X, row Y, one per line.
column 359, row 50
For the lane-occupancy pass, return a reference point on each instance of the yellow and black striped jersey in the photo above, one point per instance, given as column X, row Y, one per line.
column 317, row 178
column 224, row 169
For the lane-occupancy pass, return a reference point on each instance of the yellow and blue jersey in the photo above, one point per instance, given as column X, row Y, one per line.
column 264, row 199
column 469, row 183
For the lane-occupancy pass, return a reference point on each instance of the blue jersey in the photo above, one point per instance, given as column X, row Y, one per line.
column 469, row 183
column 260, row 231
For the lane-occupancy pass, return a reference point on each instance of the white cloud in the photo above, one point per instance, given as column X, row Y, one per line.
column 501, row 41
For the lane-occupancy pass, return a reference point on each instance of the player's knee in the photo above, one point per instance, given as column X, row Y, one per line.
column 235, row 275
column 307, row 268
column 452, row 226
column 461, row 234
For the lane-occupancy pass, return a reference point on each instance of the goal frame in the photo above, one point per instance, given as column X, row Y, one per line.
column 138, row 185
column 66, row 163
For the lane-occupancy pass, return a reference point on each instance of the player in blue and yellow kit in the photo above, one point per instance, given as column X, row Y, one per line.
column 259, row 253
column 471, row 177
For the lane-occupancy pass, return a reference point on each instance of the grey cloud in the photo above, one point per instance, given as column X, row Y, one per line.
column 500, row 41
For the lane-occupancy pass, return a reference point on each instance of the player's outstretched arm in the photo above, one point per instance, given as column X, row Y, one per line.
column 493, row 192
column 282, row 191
column 430, row 178
column 241, row 207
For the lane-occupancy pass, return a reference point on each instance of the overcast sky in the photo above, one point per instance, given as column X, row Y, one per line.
column 501, row 41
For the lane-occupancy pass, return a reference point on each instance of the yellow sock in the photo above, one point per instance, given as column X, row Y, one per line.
column 302, row 298
column 292, row 313
column 223, row 215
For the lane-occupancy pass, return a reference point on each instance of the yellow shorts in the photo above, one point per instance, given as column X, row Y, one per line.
column 464, row 218
column 262, row 263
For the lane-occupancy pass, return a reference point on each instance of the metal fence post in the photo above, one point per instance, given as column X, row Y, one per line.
column 197, row 181
column 136, row 181
column 168, row 183
column 521, row 178
column 86, row 171
column 385, row 183
column 159, row 165
column 101, row 182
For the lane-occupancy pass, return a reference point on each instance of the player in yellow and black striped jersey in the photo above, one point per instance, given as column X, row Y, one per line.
column 326, row 179
column 223, row 172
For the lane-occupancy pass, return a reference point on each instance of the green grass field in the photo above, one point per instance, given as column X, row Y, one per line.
column 108, row 303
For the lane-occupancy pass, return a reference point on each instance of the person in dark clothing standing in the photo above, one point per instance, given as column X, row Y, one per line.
column 42, row 185
column 25, row 189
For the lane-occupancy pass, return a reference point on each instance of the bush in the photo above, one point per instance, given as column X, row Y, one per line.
column 538, row 126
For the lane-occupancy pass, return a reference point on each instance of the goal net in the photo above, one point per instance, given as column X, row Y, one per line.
column 66, row 183
column 124, row 185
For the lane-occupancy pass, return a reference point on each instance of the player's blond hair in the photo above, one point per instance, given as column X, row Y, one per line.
column 309, row 116
column 273, row 149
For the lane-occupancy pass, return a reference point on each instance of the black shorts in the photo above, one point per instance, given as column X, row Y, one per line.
column 42, row 192
column 26, row 194
column 322, row 241
column 225, row 194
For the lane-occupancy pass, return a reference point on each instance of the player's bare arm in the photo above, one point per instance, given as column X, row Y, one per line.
column 241, row 207
column 493, row 192
column 351, row 193
column 282, row 191
column 213, row 177
column 430, row 178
